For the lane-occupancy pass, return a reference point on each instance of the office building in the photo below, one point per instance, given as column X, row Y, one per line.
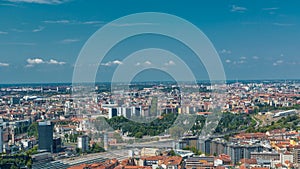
column 199, row 163
column 238, row 151
column 83, row 143
column 217, row 146
column 57, row 144
column 112, row 112
column 296, row 156
column 189, row 141
column 45, row 131
column 266, row 155
column 1, row 140
column 105, row 139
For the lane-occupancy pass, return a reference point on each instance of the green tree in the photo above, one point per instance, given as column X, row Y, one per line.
column 66, row 136
column 96, row 148
column 172, row 153
column 14, row 167
column 33, row 130
column 29, row 164
column 138, row 135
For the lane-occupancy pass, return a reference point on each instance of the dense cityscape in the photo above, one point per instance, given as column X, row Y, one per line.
column 46, row 126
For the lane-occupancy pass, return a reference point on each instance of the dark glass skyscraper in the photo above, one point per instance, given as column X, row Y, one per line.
column 45, row 130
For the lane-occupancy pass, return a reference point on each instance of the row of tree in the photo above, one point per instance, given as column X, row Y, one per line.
column 138, row 130
column 229, row 122
column 289, row 123
column 15, row 161
column 95, row 148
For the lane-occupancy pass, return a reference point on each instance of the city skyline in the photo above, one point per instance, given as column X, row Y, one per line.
column 41, row 39
column 131, row 84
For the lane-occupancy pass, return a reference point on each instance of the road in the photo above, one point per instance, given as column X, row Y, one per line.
column 100, row 157
column 154, row 144
column 257, row 122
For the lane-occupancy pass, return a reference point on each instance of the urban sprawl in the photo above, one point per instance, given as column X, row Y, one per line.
column 57, row 126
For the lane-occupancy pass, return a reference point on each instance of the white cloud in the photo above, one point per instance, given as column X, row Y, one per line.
column 17, row 30
column 239, row 62
column 111, row 63
column 291, row 63
column 170, row 63
column 278, row 62
column 55, row 62
column 4, row 64
column 91, row 22
column 8, row 4
column 117, row 62
column 49, row 2
column 243, row 58
column 106, row 64
column 68, row 41
column 224, row 51
column 132, row 24
column 35, row 61
column 270, row 9
column 3, row 33
column 283, row 24
column 255, row 57
column 40, row 28
column 235, row 8
column 38, row 61
column 228, row 61
column 147, row 62
column 58, row 21
column 65, row 21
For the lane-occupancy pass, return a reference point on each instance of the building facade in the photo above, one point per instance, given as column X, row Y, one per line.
column 45, row 131
column 83, row 143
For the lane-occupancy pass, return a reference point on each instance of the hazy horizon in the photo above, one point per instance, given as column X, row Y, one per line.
column 41, row 40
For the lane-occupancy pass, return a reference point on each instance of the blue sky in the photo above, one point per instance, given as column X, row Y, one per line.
column 41, row 39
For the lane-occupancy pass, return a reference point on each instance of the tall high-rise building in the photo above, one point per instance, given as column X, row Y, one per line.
column 56, row 144
column 1, row 140
column 217, row 146
column 112, row 112
column 296, row 155
column 204, row 145
column 239, row 151
column 45, row 130
column 83, row 143
column 105, row 138
column 14, row 100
